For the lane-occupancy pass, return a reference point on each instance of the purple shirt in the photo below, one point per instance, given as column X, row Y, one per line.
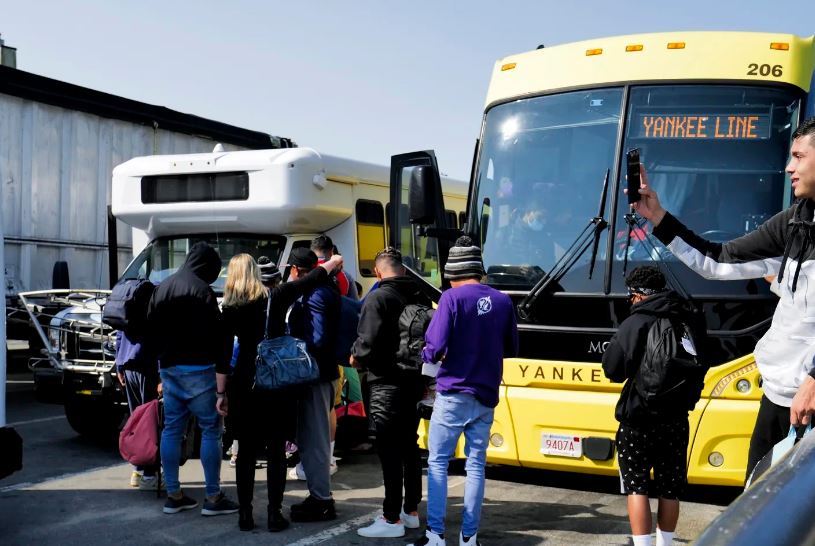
column 474, row 329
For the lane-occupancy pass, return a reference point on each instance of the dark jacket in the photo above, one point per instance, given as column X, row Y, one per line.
column 625, row 351
column 246, row 322
column 378, row 331
column 183, row 318
column 314, row 318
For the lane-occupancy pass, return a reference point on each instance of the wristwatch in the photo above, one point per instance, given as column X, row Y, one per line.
column 220, row 394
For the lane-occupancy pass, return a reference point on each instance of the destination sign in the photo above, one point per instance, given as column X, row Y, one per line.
column 700, row 125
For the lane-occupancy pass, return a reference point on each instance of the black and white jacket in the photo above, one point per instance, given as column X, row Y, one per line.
column 783, row 246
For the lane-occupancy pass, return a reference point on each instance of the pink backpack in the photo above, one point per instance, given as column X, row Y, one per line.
column 139, row 440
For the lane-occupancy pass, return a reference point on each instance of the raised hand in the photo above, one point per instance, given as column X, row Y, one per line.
column 333, row 263
column 648, row 206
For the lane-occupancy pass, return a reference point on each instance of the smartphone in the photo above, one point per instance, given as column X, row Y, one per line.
column 632, row 161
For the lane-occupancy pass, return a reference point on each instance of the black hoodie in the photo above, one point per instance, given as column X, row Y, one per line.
column 378, row 331
column 183, row 316
column 625, row 352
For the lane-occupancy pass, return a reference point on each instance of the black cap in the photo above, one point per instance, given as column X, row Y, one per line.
column 303, row 258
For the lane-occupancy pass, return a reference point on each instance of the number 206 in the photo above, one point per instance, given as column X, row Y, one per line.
column 754, row 69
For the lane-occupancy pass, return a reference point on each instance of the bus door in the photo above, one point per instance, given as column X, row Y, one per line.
column 416, row 218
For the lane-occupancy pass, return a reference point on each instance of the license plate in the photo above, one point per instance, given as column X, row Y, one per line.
column 561, row 445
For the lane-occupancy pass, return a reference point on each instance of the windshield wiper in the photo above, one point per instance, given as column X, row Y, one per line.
column 590, row 236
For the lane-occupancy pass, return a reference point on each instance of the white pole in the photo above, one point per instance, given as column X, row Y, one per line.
column 2, row 327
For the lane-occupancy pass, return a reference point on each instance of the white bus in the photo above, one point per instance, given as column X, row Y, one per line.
column 262, row 202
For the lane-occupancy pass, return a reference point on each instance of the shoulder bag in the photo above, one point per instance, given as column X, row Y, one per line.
column 283, row 362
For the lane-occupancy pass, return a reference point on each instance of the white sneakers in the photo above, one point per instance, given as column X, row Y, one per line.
column 430, row 539
column 149, row 483
column 382, row 528
column 472, row 542
column 411, row 522
column 298, row 473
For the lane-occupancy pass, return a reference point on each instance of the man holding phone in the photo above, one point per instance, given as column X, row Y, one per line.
column 782, row 246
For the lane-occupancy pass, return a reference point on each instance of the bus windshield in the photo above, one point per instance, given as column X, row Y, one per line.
column 715, row 154
column 163, row 256
column 716, row 157
column 540, row 177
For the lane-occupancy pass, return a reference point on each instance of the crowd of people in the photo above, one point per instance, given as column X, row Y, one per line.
column 206, row 368
column 201, row 358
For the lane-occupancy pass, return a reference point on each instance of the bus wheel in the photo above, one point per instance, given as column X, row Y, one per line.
column 93, row 418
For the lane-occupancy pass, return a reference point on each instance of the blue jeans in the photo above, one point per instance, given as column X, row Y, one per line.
column 454, row 413
column 190, row 392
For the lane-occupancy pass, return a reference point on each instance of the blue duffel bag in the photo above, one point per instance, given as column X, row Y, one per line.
column 283, row 362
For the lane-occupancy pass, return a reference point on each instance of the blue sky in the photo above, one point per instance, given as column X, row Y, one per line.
column 363, row 79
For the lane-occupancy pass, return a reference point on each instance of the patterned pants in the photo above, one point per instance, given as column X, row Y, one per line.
column 661, row 446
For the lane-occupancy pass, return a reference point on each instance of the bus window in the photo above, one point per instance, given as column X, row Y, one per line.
column 163, row 256
column 199, row 187
column 539, row 182
column 452, row 219
column 370, row 234
column 716, row 156
column 419, row 253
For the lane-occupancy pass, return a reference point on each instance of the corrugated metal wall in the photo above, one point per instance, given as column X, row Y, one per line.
column 55, row 171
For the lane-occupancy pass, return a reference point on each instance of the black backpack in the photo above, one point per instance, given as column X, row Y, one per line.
column 413, row 323
column 126, row 307
column 671, row 373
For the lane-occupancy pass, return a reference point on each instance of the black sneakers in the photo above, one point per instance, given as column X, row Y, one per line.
column 313, row 509
column 174, row 506
column 277, row 522
column 220, row 506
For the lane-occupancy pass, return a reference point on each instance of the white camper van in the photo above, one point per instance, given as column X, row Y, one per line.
column 262, row 202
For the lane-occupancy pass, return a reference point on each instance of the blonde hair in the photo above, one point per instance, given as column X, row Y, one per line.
column 243, row 283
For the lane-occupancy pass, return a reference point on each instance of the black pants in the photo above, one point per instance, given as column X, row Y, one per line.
column 393, row 409
column 262, row 421
column 772, row 426
column 141, row 388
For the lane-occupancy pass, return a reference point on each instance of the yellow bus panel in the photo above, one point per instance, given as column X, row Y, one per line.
column 703, row 56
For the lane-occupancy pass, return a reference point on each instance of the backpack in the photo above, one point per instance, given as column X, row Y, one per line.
column 413, row 323
column 139, row 439
column 671, row 373
column 347, row 328
column 126, row 307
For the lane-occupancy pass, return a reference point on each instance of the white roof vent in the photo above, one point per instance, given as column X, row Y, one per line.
column 218, row 148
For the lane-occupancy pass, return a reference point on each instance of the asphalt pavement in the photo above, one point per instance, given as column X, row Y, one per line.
column 76, row 491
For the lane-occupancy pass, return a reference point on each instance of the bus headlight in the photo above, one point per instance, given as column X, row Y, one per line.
column 715, row 459
column 743, row 386
column 496, row 440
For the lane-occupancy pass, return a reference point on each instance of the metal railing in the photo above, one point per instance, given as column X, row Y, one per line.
column 83, row 343
column 776, row 510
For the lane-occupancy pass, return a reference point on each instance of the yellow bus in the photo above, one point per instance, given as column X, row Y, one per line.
column 712, row 113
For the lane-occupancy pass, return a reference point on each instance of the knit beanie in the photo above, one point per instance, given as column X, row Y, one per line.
column 464, row 261
column 268, row 269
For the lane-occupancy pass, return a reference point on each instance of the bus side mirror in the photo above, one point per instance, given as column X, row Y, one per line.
column 422, row 195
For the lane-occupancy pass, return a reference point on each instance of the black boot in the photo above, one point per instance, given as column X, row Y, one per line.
column 277, row 522
column 245, row 520
column 313, row 509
